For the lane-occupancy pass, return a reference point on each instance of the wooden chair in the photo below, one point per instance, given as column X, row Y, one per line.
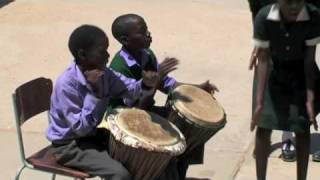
column 29, row 100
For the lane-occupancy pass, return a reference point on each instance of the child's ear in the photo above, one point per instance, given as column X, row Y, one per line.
column 124, row 40
column 81, row 55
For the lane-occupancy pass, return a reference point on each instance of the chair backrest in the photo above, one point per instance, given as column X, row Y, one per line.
column 30, row 99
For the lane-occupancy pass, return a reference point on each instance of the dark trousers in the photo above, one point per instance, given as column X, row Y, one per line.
column 90, row 155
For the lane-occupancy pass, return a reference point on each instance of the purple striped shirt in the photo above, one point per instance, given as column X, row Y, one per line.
column 168, row 82
column 75, row 111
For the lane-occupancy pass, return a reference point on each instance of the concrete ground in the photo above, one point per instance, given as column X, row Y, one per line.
column 212, row 38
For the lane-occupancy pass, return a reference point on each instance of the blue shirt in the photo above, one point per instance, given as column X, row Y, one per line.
column 75, row 111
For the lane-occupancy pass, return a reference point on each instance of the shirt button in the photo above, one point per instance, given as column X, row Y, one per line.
column 287, row 48
column 287, row 34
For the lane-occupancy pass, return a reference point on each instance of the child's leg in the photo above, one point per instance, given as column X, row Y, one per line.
column 303, row 149
column 262, row 152
column 91, row 158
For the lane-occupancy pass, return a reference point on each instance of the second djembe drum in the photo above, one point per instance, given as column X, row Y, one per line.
column 196, row 113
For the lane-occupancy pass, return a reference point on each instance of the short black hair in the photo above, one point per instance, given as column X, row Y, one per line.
column 121, row 25
column 84, row 37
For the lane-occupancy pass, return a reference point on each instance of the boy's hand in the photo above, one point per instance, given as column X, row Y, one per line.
column 93, row 77
column 210, row 88
column 254, row 57
column 150, row 78
column 256, row 116
column 167, row 65
column 310, row 111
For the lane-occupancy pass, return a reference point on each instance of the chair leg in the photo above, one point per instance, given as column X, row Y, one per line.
column 19, row 172
column 53, row 176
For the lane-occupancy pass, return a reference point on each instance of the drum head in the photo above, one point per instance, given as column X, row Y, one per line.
column 147, row 127
column 197, row 105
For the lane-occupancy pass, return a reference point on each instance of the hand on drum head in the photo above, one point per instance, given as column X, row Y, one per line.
column 167, row 65
column 210, row 88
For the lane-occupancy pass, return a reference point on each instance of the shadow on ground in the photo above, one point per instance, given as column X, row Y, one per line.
column 5, row 2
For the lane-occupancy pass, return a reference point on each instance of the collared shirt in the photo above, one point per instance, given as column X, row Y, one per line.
column 127, row 65
column 256, row 5
column 287, row 41
column 75, row 111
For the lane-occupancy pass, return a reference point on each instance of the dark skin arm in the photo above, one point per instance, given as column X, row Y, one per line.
column 263, row 57
column 168, row 65
column 254, row 57
column 309, row 65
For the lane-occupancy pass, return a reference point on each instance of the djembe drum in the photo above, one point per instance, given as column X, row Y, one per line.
column 143, row 142
column 196, row 113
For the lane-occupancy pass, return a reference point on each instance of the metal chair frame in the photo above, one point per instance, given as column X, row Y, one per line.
column 20, row 121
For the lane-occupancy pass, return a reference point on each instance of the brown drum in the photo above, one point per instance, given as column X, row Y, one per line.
column 143, row 142
column 196, row 113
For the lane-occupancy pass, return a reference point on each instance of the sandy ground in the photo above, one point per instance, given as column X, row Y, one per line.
column 212, row 38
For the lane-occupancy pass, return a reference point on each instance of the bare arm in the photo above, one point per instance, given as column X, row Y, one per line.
column 262, row 73
column 309, row 69
column 254, row 57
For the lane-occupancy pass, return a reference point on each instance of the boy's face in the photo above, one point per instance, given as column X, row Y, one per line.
column 96, row 57
column 290, row 9
column 139, row 36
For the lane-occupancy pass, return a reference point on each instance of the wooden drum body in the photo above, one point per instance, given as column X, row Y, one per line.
column 143, row 142
column 196, row 113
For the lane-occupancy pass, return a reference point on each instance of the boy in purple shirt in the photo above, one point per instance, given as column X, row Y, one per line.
column 79, row 100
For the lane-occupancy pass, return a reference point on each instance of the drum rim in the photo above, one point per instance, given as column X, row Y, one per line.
column 217, row 125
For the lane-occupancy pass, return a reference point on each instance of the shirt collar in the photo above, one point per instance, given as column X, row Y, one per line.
column 274, row 14
column 79, row 76
column 131, row 61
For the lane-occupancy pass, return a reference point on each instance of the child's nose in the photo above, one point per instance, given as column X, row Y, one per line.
column 149, row 36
